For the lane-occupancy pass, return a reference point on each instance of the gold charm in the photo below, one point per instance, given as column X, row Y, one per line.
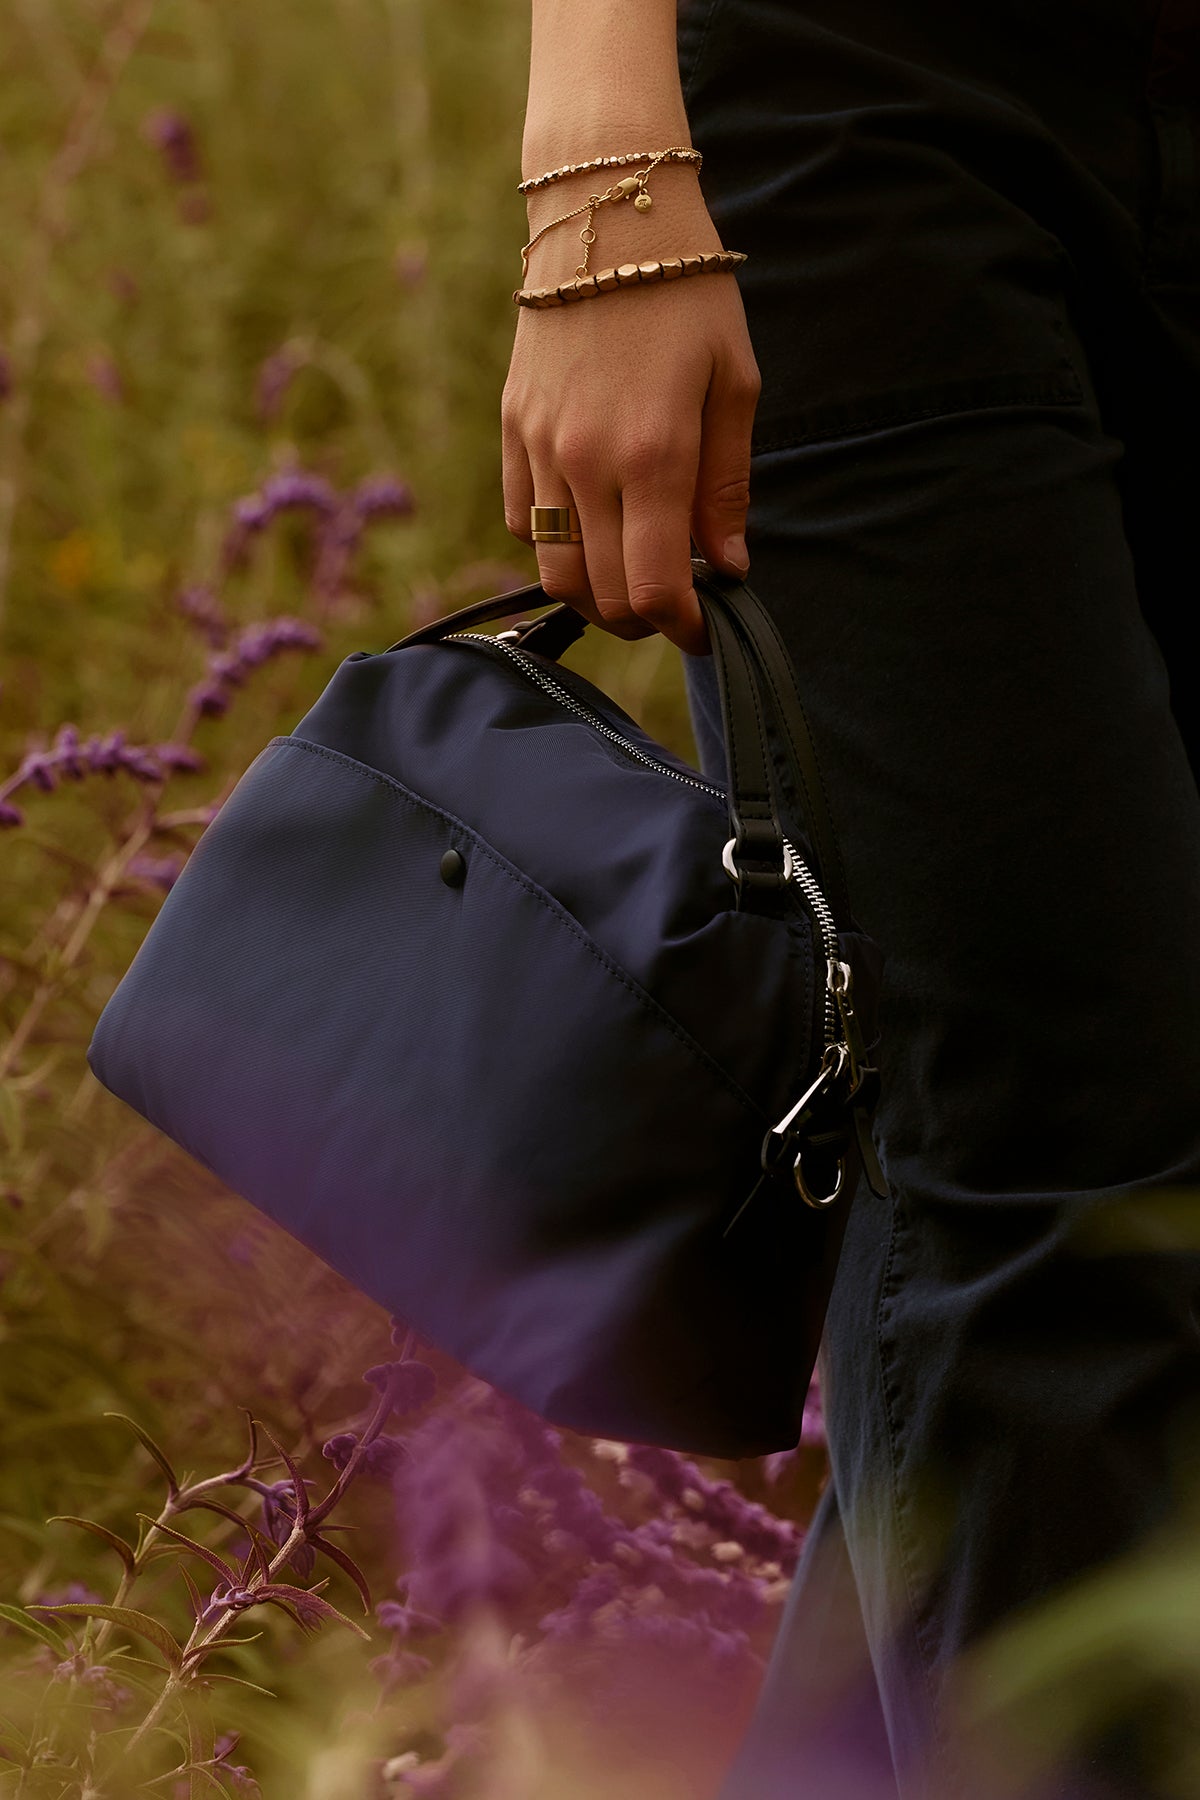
column 643, row 203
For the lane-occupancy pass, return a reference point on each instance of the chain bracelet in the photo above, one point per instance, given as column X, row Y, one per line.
column 630, row 187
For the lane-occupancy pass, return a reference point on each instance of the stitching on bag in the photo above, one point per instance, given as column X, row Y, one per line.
column 544, row 899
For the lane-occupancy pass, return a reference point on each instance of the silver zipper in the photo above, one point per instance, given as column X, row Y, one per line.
column 799, row 872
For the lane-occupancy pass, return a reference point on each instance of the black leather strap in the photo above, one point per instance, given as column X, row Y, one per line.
column 770, row 659
column 752, row 668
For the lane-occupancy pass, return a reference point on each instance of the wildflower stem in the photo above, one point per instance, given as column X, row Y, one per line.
column 107, row 879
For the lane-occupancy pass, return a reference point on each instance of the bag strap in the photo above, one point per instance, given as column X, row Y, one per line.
column 772, row 667
column 751, row 661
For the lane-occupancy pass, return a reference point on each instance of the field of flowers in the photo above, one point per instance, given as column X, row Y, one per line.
column 254, row 325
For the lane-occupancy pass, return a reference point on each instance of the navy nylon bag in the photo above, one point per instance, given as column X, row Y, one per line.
column 556, row 1049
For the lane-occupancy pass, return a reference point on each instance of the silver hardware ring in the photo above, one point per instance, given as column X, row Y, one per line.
column 734, row 873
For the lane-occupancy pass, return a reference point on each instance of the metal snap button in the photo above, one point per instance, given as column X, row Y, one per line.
column 453, row 869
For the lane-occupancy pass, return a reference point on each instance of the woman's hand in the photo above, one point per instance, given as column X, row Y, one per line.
column 636, row 407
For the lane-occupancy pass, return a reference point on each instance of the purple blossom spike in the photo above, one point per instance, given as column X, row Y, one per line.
column 290, row 490
column 43, row 768
column 278, row 1516
column 253, row 646
column 383, row 496
column 200, row 606
column 398, row 1667
column 172, row 135
column 411, row 1384
column 160, row 871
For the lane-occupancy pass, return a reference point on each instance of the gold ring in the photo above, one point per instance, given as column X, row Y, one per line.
column 554, row 525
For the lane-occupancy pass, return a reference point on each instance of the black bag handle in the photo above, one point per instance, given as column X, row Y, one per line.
column 750, row 660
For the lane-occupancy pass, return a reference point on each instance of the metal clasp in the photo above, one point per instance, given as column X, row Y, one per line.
column 735, row 874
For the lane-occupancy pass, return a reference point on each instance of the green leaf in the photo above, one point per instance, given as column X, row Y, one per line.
column 240, row 1681
column 194, row 1594
column 149, row 1444
column 37, row 1628
column 210, row 1556
column 123, row 1550
column 344, row 1562
column 308, row 1600
column 140, row 1623
column 201, row 1748
column 298, row 1481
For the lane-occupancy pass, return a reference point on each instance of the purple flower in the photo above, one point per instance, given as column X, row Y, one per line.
column 382, row 496
column 398, row 1667
column 172, row 135
column 720, row 1505
column 279, row 1516
column 253, row 646
column 381, row 1457
column 208, row 698
column 42, row 768
column 291, row 490
column 411, row 1384
column 339, row 1448
column 405, row 1620
column 97, row 1678
column 200, row 606
column 228, row 1598
column 159, row 871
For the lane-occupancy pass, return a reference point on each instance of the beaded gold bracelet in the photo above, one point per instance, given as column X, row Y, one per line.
column 630, row 187
column 714, row 262
column 677, row 153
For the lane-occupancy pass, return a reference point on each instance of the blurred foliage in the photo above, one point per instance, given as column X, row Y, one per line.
column 239, row 240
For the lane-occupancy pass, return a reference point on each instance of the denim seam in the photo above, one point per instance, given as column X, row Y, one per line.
column 1066, row 393
column 920, row 1613
column 544, row 899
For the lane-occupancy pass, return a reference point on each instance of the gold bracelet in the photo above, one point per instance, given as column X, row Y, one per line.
column 677, row 153
column 630, row 187
column 714, row 262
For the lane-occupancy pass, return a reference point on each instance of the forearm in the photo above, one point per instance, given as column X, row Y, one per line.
column 599, row 70
column 603, row 81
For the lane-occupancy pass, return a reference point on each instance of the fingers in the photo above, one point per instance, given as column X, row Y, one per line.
column 722, row 493
column 642, row 492
column 656, row 544
column 589, row 576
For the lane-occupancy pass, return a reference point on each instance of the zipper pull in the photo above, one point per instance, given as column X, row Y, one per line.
column 840, row 981
column 816, row 1123
column 864, row 1079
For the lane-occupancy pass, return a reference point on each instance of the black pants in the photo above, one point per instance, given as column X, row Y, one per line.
column 973, row 289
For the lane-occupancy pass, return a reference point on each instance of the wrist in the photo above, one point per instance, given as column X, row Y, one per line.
column 678, row 223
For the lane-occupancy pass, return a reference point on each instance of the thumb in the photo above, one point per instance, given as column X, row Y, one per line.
column 723, row 473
